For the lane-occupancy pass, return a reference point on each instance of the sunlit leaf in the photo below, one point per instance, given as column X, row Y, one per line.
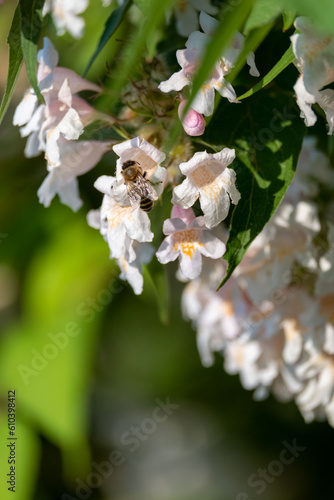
column 15, row 61
column 263, row 12
column 31, row 25
column 50, row 351
column 27, row 453
column 267, row 134
column 113, row 22
column 321, row 12
column 63, row 274
column 289, row 16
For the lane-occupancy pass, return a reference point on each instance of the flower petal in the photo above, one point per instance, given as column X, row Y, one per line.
column 104, row 184
column 47, row 58
column 76, row 83
column 215, row 204
column 212, row 246
column 25, row 109
column 305, row 100
column 191, row 266
column 176, row 82
column 185, row 194
column 165, row 252
column 204, row 100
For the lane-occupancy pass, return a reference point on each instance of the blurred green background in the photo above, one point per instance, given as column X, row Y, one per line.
column 85, row 400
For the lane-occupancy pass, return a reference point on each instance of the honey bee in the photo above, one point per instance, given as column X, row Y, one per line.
column 140, row 190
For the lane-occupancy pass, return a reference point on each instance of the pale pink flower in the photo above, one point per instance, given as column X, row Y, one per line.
column 313, row 173
column 287, row 239
column 63, row 114
column 54, row 126
column 190, row 58
column 188, row 239
column 274, row 341
column 209, row 179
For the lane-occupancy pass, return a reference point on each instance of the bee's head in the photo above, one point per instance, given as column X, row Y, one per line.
column 129, row 163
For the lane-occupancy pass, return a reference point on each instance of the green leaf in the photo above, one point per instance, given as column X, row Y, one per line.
column 15, row 61
column 28, row 453
column 321, row 12
column 31, row 25
column 113, row 22
column 267, row 134
column 48, row 277
column 289, row 16
column 287, row 58
column 67, row 288
column 144, row 5
column 156, row 288
column 99, row 131
column 264, row 12
column 51, row 360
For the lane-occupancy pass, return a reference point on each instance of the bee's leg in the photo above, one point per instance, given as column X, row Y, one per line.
column 144, row 174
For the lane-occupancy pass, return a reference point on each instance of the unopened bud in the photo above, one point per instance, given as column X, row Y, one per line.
column 193, row 123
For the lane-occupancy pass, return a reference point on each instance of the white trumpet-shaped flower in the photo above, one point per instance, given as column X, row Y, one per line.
column 209, row 179
column 147, row 158
column 187, row 238
column 118, row 222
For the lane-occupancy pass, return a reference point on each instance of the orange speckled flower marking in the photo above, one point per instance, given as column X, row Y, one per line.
column 311, row 52
column 227, row 308
column 186, row 240
column 145, row 161
column 182, row 5
column 117, row 215
column 203, row 176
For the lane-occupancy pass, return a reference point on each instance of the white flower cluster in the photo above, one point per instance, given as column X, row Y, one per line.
column 125, row 225
column 273, row 320
column 53, row 128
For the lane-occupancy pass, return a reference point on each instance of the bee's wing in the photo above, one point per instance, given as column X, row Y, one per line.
column 134, row 195
column 146, row 188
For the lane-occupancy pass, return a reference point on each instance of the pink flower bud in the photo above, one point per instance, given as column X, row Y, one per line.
column 193, row 123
